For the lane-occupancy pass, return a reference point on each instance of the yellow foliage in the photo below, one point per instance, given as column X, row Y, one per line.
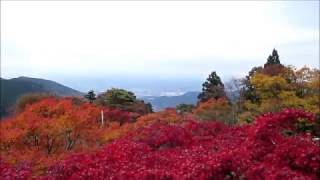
column 268, row 86
column 301, row 90
column 290, row 99
column 246, row 117
column 251, row 106
column 169, row 116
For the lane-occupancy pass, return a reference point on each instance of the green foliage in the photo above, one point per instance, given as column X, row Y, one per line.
column 117, row 98
column 185, row 108
column 316, row 127
column 273, row 59
column 212, row 88
column 248, row 91
column 149, row 107
column 124, row 100
column 91, row 96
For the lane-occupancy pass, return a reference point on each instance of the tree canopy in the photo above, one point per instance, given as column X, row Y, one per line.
column 124, row 100
column 91, row 96
column 212, row 88
column 273, row 59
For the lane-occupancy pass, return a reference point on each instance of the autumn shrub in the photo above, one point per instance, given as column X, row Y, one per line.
column 204, row 150
column 53, row 127
column 185, row 108
column 29, row 99
column 20, row 171
column 117, row 115
column 215, row 110
column 58, row 139
column 275, row 87
column 167, row 116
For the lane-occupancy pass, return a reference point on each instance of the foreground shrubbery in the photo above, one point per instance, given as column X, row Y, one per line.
column 52, row 128
column 273, row 147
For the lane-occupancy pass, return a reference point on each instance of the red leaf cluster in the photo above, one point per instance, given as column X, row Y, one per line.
column 208, row 150
column 20, row 171
column 53, row 127
column 117, row 115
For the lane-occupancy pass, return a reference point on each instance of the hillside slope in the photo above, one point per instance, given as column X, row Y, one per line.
column 12, row 89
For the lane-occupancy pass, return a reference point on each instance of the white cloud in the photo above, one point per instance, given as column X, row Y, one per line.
column 145, row 38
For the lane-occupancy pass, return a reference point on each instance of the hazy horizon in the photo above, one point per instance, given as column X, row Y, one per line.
column 152, row 48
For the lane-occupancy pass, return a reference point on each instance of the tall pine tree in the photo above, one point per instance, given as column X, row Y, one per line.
column 212, row 88
column 91, row 96
column 273, row 59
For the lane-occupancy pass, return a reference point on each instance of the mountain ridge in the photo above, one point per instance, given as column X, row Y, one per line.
column 12, row 89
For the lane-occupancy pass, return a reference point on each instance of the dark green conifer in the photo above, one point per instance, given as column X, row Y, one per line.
column 91, row 96
column 273, row 59
column 212, row 88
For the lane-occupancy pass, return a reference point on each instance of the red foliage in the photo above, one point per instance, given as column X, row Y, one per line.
column 117, row 115
column 51, row 128
column 208, row 150
column 273, row 70
column 19, row 172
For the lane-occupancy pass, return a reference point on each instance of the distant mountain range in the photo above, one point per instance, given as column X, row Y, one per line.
column 162, row 102
column 13, row 89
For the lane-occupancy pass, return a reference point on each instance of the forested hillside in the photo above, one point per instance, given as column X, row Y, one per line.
column 13, row 89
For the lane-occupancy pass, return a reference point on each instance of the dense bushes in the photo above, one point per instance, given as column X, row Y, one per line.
column 51, row 128
column 215, row 109
column 203, row 150
column 29, row 99
column 63, row 139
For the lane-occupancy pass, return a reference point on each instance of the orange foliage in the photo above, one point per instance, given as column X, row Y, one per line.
column 214, row 109
column 51, row 128
column 167, row 116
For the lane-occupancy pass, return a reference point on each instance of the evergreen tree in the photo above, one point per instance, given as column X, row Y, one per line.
column 123, row 100
column 273, row 59
column 272, row 67
column 91, row 96
column 116, row 98
column 149, row 107
column 248, row 91
column 212, row 88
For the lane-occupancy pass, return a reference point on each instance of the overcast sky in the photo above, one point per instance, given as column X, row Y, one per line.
column 63, row 41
